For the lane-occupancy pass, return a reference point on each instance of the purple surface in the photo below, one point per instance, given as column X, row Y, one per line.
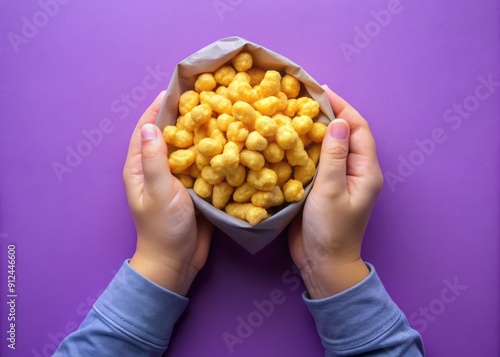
column 435, row 224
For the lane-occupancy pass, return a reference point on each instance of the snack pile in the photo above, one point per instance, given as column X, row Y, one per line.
column 244, row 140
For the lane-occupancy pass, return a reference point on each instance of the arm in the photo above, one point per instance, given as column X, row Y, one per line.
column 353, row 312
column 133, row 316
column 363, row 320
column 140, row 306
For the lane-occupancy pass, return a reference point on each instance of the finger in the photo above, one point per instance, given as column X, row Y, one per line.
column 132, row 171
column 332, row 167
column 363, row 162
column 205, row 231
column 149, row 116
column 361, row 139
column 157, row 176
column 295, row 239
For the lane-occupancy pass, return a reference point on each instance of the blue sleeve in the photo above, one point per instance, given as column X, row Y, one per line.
column 364, row 320
column 133, row 317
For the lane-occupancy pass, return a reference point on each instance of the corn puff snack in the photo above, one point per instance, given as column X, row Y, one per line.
column 245, row 139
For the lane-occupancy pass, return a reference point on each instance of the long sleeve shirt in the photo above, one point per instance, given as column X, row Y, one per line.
column 362, row 320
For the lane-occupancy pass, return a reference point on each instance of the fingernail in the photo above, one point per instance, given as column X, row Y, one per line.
column 339, row 130
column 148, row 132
column 325, row 87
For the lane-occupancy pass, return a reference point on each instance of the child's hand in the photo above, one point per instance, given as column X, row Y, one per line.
column 326, row 243
column 172, row 243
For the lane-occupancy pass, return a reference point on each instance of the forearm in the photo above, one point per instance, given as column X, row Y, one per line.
column 364, row 320
column 173, row 276
column 133, row 316
column 330, row 279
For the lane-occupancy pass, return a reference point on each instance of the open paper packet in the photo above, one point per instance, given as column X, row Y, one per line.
column 209, row 59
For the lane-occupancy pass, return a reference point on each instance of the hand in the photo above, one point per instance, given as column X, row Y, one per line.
column 325, row 243
column 172, row 243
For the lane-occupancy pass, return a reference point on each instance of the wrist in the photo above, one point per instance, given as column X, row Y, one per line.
column 171, row 275
column 326, row 279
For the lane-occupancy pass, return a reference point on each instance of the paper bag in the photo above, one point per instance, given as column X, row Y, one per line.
column 209, row 59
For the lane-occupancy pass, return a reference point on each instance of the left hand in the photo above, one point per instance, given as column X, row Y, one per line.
column 325, row 242
column 172, row 243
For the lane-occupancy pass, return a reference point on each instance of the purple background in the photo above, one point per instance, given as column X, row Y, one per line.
column 436, row 223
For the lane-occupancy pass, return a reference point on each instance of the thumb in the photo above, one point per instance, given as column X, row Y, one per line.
column 154, row 159
column 333, row 160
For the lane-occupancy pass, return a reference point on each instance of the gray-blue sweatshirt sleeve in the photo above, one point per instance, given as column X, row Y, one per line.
column 133, row 317
column 364, row 321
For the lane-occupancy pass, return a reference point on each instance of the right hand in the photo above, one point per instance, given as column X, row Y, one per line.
column 325, row 243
